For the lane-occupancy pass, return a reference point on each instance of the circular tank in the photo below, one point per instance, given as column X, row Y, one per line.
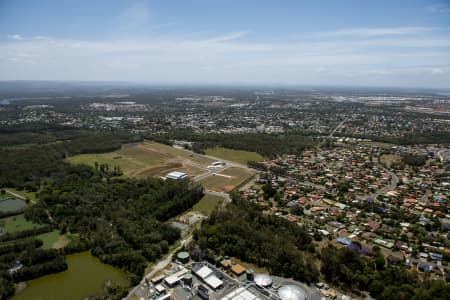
column 291, row 292
column 263, row 280
column 183, row 256
column 187, row 279
column 250, row 275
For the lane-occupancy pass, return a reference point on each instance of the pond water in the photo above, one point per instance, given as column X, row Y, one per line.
column 8, row 205
column 85, row 276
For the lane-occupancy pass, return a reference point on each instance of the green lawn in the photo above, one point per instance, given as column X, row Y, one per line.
column 5, row 196
column 238, row 156
column 207, row 204
column 130, row 158
column 17, row 223
column 48, row 238
column 379, row 144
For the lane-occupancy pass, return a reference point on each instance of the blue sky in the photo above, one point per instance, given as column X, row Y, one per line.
column 361, row 43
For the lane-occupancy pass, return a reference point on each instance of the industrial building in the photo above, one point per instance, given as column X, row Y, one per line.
column 216, row 165
column 176, row 175
column 207, row 275
column 202, row 280
column 241, row 294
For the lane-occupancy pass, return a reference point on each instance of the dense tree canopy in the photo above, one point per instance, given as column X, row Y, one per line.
column 242, row 230
column 123, row 221
column 268, row 145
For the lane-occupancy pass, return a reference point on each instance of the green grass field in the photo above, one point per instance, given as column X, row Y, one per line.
column 379, row 144
column 48, row 238
column 17, row 223
column 238, row 156
column 129, row 159
column 5, row 196
column 207, row 204
column 138, row 159
column 179, row 153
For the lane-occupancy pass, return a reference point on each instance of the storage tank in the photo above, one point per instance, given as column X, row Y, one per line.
column 183, row 256
column 250, row 275
column 187, row 279
column 291, row 292
column 263, row 280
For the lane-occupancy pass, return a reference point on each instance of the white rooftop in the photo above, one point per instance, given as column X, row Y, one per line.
column 213, row 282
column 204, row 272
column 176, row 175
column 172, row 279
column 240, row 294
column 160, row 288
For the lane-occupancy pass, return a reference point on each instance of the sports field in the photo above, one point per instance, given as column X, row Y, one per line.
column 238, row 156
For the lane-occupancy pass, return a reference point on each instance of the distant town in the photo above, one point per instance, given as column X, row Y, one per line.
column 202, row 194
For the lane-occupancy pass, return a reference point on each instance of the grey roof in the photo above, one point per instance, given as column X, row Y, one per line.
column 291, row 292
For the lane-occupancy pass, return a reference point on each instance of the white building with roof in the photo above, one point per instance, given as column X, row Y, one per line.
column 240, row 294
column 213, row 282
column 172, row 279
column 203, row 272
column 176, row 175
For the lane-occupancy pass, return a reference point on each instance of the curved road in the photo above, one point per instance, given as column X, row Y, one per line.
column 158, row 267
column 392, row 185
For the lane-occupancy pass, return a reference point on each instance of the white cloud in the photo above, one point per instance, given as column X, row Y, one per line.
column 227, row 58
column 21, row 60
column 41, row 37
column 440, row 70
column 229, row 37
column 367, row 32
column 17, row 37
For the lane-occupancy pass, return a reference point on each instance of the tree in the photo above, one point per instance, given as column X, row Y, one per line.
column 296, row 210
column 317, row 236
column 380, row 262
column 376, row 288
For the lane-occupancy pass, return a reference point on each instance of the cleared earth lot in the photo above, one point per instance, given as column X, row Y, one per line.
column 227, row 180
